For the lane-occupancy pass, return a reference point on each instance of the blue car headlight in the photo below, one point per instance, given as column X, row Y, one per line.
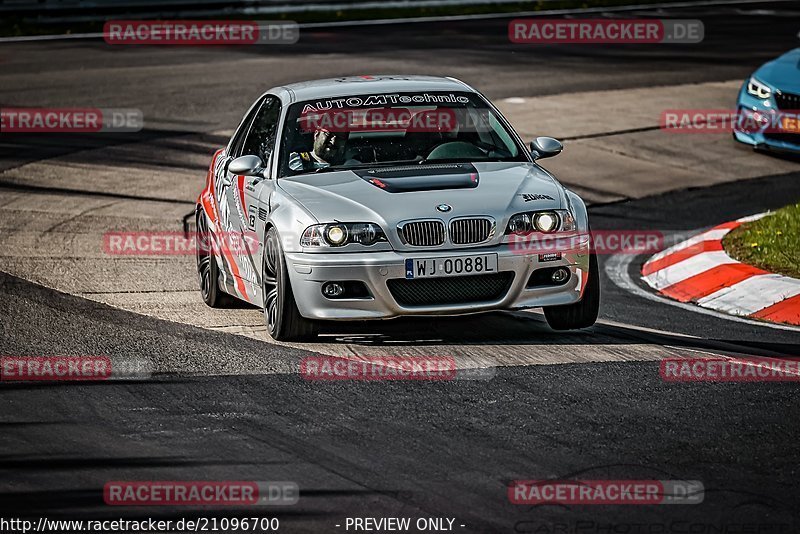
column 758, row 89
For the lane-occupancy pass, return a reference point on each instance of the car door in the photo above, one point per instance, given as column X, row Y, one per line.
column 226, row 221
column 246, row 210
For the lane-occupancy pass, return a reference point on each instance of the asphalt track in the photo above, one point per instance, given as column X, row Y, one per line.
column 222, row 406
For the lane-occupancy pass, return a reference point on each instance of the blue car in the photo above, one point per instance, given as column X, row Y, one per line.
column 771, row 92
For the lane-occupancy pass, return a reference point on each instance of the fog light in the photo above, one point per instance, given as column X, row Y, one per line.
column 332, row 290
column 560, row 275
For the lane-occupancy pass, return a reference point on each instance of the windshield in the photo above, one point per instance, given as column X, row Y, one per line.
column 400, row 128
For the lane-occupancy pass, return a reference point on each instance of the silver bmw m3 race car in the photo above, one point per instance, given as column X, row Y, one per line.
column 375, row 197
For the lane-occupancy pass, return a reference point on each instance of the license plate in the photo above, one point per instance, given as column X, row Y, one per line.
column 453, row 266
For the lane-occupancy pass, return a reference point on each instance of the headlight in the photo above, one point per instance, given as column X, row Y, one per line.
column 340, row 234
column 366, row 233
column 545, row 221
column 541, row 221
column 520, row 224
column 336, row 235
column 758, row 89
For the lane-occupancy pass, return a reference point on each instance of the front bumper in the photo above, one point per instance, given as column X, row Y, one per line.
column 780, row 142
column 309, row 271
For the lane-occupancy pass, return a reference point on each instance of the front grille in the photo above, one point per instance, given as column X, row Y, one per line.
column 787, row 101
column 792, row 138
column 466, row 231
column 450, row 290
column 423, row 233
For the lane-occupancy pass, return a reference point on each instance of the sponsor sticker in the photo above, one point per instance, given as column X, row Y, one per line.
column 550, row 256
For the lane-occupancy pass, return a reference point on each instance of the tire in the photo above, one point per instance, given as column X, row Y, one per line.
column 208, row 269
column 582, row 314
column 284, row 322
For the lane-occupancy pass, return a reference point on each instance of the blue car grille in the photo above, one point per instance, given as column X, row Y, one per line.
column 784, row 137
column 787, row 101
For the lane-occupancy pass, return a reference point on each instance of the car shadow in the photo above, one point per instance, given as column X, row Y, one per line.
column 524, row 328
column 785, row 156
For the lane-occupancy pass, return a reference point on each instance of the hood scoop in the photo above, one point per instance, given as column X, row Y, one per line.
column 430, row 177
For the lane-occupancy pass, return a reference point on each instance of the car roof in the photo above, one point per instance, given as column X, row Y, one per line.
column 361, row 85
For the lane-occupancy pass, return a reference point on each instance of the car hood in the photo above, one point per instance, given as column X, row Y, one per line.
column 502, row 189
column 782, row 73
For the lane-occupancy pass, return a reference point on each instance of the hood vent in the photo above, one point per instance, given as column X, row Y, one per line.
column 431, row 177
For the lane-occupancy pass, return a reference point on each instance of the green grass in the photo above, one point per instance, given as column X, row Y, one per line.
column 14, row 26
column 771, row 243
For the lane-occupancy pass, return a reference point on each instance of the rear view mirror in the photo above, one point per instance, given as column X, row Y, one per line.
column 546, row 147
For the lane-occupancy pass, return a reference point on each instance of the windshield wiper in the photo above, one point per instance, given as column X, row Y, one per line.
column 331, row 168
column 367, row 165
column 462, row 160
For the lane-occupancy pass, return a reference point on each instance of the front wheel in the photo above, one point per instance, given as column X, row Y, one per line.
column 582, row 314
column 284, row 322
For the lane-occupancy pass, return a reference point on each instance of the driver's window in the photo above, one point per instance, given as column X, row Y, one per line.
column 260, row 140
column 235, row 146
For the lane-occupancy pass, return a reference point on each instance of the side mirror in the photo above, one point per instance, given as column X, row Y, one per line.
column 546, row 147
column 247, row 166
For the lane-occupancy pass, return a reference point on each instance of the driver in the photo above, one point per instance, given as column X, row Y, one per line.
column 328, row 149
